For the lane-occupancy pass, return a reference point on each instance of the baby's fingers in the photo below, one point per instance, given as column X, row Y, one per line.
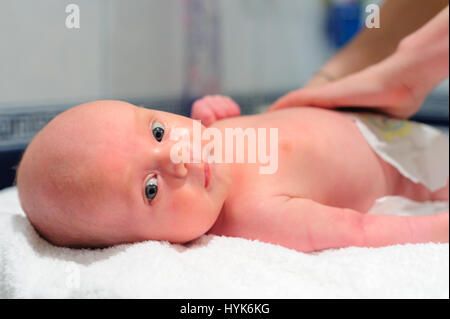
column 223, row 106
column 213, row 108
column 202, row 111
column 232, row 107
column 217, row 105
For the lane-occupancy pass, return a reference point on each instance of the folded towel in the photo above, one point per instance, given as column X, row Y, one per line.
column 210, row 267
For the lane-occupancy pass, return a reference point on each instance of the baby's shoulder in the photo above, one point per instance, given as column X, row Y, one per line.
column 243, row 217
column 249, row 206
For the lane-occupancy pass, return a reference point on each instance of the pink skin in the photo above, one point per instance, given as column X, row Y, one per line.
column 87, row 188
column 210, row 109
column 118, row 155
column 317, row 198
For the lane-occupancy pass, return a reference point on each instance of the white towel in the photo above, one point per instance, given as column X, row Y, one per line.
column 210, row 267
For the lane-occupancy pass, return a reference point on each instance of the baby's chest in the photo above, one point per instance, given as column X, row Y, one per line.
column 315, row 154
column 330, row 169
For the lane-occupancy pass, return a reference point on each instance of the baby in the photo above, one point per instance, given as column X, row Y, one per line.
column 101, row 174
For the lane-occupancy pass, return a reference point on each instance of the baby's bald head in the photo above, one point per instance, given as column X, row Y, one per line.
column 84, row 179
column 62, row 177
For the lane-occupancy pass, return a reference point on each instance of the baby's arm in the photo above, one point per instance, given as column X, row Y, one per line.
column 306, row 226
column 212, row 108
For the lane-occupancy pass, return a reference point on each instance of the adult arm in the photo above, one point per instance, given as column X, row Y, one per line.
column 398, row 19
column 397, row 85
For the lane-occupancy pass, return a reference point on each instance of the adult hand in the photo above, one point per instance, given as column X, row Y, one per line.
column 389, row 86
column 397, row 85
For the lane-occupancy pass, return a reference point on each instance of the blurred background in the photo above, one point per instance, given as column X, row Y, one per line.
column 164, row 54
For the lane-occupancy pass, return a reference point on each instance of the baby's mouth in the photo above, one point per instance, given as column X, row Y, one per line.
column 207, row 170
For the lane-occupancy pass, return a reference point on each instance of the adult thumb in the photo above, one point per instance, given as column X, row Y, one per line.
column 349, row 91
column 315, row 96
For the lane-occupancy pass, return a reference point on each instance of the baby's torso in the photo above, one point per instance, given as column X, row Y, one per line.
column 322, row 156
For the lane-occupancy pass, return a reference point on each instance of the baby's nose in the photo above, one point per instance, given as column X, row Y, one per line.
column 180, row 170
column 171, row 166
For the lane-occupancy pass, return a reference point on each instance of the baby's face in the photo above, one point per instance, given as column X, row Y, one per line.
column 170, row 201
column 136, row 192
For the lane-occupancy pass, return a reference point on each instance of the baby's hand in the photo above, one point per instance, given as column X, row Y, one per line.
column 212, row 108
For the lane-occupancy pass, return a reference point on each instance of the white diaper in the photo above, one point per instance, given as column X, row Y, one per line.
column 419, row 152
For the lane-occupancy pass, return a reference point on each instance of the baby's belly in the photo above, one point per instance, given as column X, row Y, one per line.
column 324, row 157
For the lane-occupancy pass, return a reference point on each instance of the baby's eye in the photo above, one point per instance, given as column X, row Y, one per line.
column 151, row 188
column 158, row 131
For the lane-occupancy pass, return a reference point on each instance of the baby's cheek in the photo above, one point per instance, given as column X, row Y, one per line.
column 191, row 207
column 185, row 201
column 180, row 218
